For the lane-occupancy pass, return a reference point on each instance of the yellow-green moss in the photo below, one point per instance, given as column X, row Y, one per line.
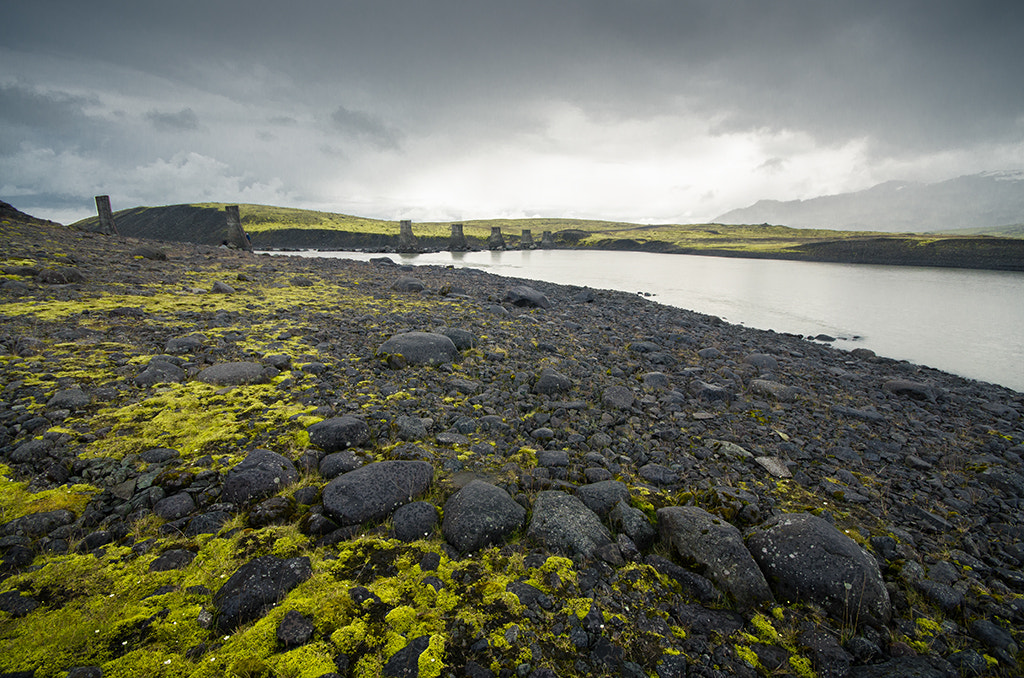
column 16, row 500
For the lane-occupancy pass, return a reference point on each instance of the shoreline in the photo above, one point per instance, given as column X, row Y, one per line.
column 591, row 427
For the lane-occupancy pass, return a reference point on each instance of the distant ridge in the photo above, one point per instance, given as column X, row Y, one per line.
column 985, row 203
column 12, row 214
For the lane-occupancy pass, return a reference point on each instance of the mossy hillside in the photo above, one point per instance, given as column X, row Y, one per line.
column 338, row 323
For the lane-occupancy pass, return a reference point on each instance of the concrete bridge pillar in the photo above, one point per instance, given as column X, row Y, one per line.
column 406, row 240
column 106, row 216
column 547, row 242
column 496, row 241
column 236, row 235
column 458, row 239
column 526, row 240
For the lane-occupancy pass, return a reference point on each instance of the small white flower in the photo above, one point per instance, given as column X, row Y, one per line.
column 166, row 663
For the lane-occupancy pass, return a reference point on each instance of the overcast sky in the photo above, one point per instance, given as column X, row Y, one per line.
column 637, row 110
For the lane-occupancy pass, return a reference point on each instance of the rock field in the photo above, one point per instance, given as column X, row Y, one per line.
column 214, row 463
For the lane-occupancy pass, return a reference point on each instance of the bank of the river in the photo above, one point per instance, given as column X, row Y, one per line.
column 587, row 483
column 276, row 228
column 968, row 322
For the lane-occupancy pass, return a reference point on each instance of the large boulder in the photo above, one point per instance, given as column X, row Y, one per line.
column 715, row 547
column 419, row 348
column 550, row 382
column 261, row 474
column 236, row 374
column 526, row 297
column 256, row 587
column 373, row 491
column 807, row 559
column 601, row 497
column 37, row 524
column 563, row 523
column 480, row 514
column 338, row 433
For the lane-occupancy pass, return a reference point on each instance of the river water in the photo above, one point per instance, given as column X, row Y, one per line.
column 962, row 321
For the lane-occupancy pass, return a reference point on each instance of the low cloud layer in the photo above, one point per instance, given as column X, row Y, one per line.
column 641, row 111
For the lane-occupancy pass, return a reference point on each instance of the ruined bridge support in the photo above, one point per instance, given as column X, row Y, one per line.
column 457, row 243
column 526, row 240
column 406, row 240
column 106, row 216
column 496, row 241
column 236, row 235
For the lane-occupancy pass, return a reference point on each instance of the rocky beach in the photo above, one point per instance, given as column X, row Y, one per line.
column 214, row 463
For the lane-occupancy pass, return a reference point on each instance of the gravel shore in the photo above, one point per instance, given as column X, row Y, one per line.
column 218, row 463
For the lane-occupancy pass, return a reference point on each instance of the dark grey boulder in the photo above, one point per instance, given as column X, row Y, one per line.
column 338, row 433
column 174, row 559
column 552, row 458
column 373, row 491
column 70, row 399
column 773, row 389
column 655, row 381
column 149, row 252
column 415, row 520
column 807, row 559
column 550, row 382
column 410, row 428
column 261, row 474
column 905, row 667
column 159, row 372
column 38, row 524
column 634, row 524
column 480, row 514
column 710, row 393
column 419, row 348
column 61, row 275
column 294, row 630
column 236, row 374
column 563, row 523
column 405, row 662
column 911, row 389
column 184, row 344
column 658, row 474
column 336, row 463
column 762, row 361
column 618, row 397
column 526, row 297
column 175, row 506
column 17, row 605
column 256, row 587
column 408, row 284
column 602, row 497
column 220, row 287
column 463, row 339
column 158, row 455
column 717, row 548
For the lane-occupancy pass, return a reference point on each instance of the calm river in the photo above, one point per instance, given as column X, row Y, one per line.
column 967, row 322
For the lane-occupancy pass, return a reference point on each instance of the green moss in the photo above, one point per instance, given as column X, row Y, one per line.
column 765, row 631
column 308, row 661
column 196, row 419
column 431, row 661
column 802, row 666
column 16, row 500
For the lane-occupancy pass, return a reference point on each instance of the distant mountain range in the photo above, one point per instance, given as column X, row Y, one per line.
column 987, row 203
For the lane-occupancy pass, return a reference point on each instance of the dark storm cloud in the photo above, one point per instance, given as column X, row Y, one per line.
column 912, row 75
column 42, row 116
column 365, row 127
column 184, row 120
column 788, row 91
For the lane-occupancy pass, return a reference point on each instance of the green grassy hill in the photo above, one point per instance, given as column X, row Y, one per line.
column 282, row 227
